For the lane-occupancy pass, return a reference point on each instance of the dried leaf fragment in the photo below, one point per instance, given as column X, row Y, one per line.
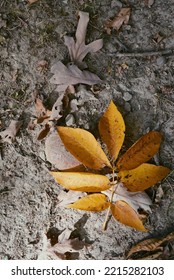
column 57, row 154
column 78, row 50
column 112, row 130
column 92, row 202
column 126, row 215
column 140, row 152
column 120, row 19
column 9, row 134
column 71, row 75
column 150, row 245
column 82, row 181
column 143, row 177
column 84, row 147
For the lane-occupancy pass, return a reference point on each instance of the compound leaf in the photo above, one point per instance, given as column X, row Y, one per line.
column 143, row 150
column 143, row 177
column 93, row 202
column 82, row 181
column 123, row 213
column 112, row 130
column 84, row 147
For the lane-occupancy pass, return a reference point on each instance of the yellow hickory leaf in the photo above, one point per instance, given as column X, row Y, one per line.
column 84, row 147
column 112, row 130
column 93, row 202
column 143, row 177
column 126, row 215
column 143, row 150
column 82, row 181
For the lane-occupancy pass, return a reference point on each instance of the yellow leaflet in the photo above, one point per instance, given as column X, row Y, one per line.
column 123, row 213
column 143, row 150
column 143, row 177
column 112, row 130
column 83, row 146
column 82, row 181
column 93, row 202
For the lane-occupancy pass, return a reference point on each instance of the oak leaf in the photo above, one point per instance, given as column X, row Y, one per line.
column 78, row 50
column 71, row 75
column 120, row 19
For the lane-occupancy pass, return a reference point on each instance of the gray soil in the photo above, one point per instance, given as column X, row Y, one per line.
column 143, row 92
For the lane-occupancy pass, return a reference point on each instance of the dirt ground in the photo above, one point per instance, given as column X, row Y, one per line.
column 141, row 86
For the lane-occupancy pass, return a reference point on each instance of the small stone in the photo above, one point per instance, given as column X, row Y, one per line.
column 127, row 107
column 160, row 61
column 70, row 120
column 127, row 96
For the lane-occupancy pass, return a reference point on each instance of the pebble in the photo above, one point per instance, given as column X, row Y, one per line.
column 70, row 120
column 160, row 61
column 127, row 96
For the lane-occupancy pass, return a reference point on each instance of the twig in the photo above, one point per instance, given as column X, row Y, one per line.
column 167, row 52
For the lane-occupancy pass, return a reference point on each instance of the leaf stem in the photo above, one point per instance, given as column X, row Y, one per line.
column 114, row 184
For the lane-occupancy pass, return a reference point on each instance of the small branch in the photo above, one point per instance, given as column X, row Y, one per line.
column 167, row 52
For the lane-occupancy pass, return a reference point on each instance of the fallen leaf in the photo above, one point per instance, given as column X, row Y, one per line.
column 78, row 50
column 8, row 135
column 149, row 245
column 120, row 19
column 143, row 177
column 43, row 133
column 142, row 151
column 41, row 111
column 137, row 200
column 112, row 130
column 123, row 213
column 93, row 202
column 82, row 181
column 71, row 75
column 57, row 154
column 83, row 146
column 59, row 250
column 69, row 197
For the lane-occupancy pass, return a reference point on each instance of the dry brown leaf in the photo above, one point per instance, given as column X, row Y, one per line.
column 112, row 130
column 71, row 75
column 66, row 198
column 123, row 213
column 41, row 111
column 142, row 151
column 143, row 177
column 82, row 181
column 137, row 200
column 83, row 146
column 8, row 135
column 57, row 154
column 78, row 50
column 59, row 250
column 120, row 19
column 150, row 245
column 93, row 202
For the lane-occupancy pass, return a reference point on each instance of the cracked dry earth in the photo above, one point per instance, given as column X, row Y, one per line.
column 141, row 86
